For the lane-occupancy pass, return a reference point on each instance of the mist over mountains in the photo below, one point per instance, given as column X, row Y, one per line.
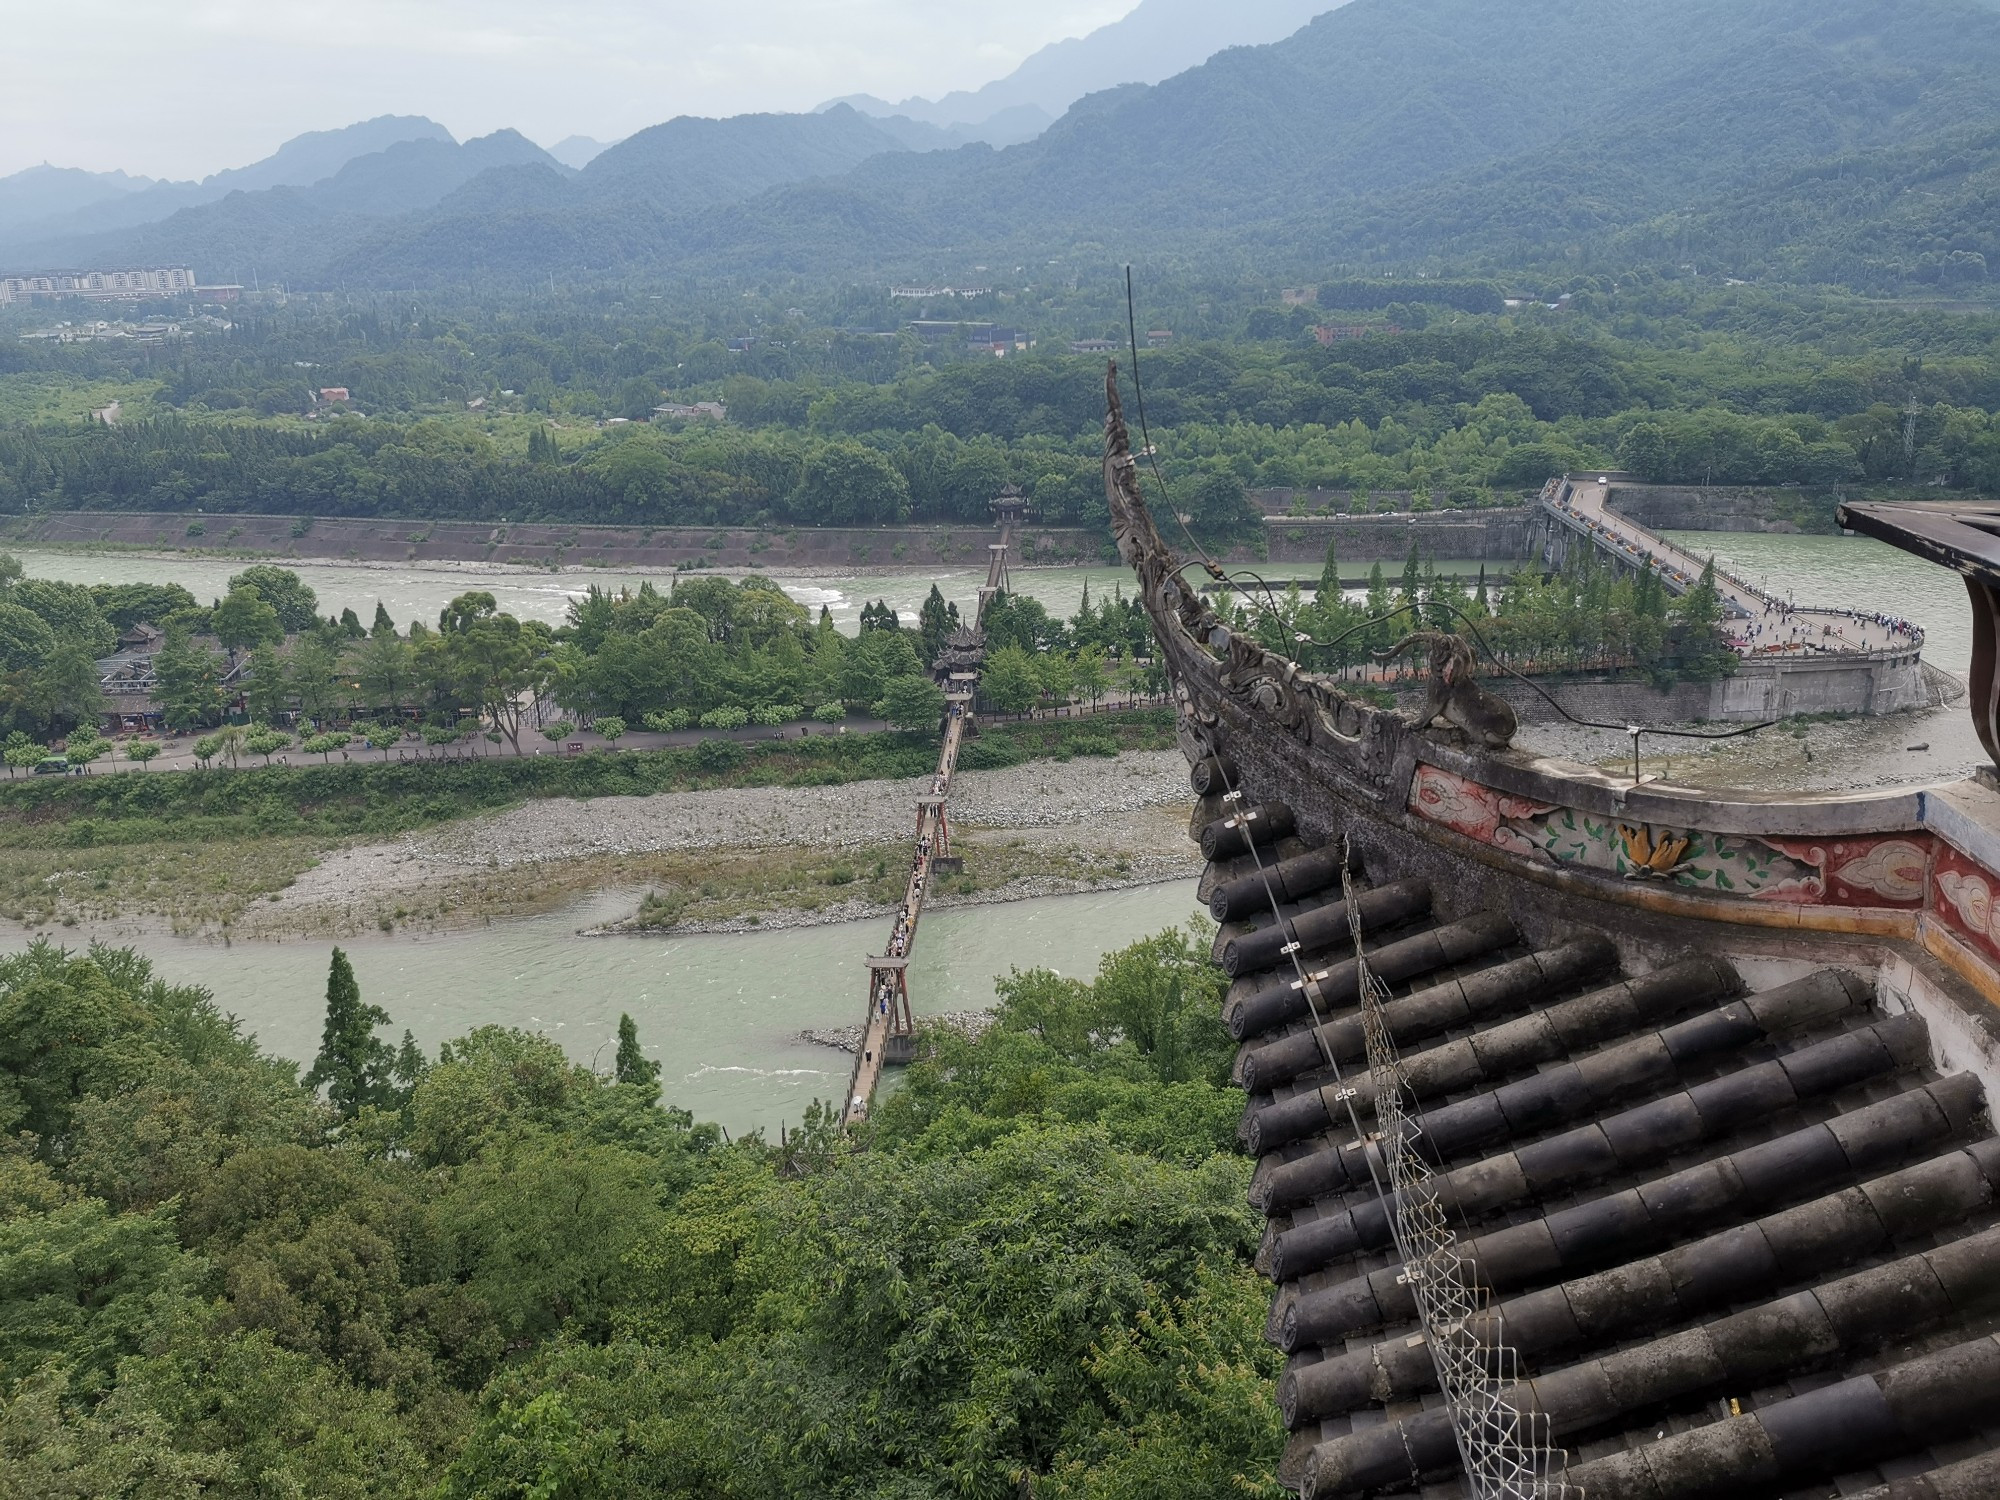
column 1158, row 39
column 1843, row 140
column 101, row 201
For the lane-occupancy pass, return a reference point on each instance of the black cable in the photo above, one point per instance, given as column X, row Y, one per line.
column 1146, row 437
column 1494, row 656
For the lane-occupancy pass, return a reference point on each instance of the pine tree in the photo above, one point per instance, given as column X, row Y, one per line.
column 1479, row 597
column 410, row 1065
column 1382, row 632
column 1329, row 576
column 632, row 1065
column 1427, row 585
column 1413, row 580
column 354, row 1065
column 383, row 626
column 934, row 620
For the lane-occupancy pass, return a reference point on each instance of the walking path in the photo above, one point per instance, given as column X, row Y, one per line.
column 1758, row 624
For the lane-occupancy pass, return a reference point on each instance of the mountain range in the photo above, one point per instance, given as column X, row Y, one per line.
column 1848, row 140
column 1156, row 40
column 94, row 202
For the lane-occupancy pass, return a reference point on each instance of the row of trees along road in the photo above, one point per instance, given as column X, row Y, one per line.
column 706, row 651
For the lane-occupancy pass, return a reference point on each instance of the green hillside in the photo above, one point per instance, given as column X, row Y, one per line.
column 1823, row 140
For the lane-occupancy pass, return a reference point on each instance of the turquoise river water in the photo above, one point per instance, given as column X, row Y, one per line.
column 722, row 1013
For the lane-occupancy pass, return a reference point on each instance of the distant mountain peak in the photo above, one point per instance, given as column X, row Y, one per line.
column 1155, row 40
column 578, row 150
column 299, row 162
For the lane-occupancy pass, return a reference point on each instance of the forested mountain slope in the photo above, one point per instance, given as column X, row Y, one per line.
column 300, row 162
column 1386, row 130
column 40, row 193
column 690, row 161
column 285, row 232
column 1155, row 39
column 1764, row 136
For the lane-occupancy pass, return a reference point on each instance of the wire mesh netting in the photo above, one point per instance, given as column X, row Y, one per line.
column 1508, row 1453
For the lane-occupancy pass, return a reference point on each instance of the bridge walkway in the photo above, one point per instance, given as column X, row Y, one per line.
column 1757, row 622
column 889, row 1027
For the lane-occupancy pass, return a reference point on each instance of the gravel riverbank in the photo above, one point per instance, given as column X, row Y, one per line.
column 1040, row 794
column 1127, row 814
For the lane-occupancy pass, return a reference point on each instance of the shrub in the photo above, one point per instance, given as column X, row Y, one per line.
column 730, row 717
column 718, row 755
column 558, row 731
column 776, row 713
column 830, row 713
column 667, row 721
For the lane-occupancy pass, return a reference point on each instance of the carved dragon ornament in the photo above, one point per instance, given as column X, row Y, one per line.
column 1273, row 687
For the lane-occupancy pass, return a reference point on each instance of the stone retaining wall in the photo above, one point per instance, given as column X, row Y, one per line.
column 1475, row 535
column 542, row 544
column 1665, row 507
column 1496, row 535
column 1759, row 690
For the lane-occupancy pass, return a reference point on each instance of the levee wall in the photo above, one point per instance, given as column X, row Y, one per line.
column 1666, row 507
column 545, row 545
column 1459, row 535
column 1759, row 690
column 1497, row 535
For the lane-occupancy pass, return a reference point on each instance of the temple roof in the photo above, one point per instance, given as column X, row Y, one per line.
column 1738, row 1230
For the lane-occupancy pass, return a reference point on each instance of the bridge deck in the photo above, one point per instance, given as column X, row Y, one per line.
column 888, row 993
column 1758, row 623
column 886, row 1001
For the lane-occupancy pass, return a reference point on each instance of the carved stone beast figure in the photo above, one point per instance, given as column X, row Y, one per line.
column 1456, row 698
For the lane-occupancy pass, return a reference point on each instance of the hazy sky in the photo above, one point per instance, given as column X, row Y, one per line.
column 182, row 88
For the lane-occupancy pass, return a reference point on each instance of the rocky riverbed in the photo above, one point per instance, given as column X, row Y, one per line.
column 1048, row 828
column 1040, row 794
column 966, row 1023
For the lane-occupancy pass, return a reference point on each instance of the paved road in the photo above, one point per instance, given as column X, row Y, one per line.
column 177, row 755
column 1758, row 623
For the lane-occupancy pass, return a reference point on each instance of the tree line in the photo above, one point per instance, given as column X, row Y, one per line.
column 1481, row 409
column 705, row 652
column 1586, row 616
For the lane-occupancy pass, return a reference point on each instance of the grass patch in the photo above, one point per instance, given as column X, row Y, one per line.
column 192, row 885
column 704, row 887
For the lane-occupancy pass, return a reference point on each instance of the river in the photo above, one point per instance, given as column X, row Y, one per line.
column 1847, row 754
column 420, row 591
column 721, row 1013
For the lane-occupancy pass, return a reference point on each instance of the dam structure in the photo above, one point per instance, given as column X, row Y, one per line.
column 1794, row 658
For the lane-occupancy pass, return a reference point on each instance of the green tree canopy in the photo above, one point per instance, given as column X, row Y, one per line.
column 354, row 1066
column 297, row 606
column 246, row 619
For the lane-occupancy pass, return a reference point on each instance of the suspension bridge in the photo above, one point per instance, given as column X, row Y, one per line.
column 888, row 1031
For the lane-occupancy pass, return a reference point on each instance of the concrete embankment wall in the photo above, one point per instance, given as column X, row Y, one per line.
column 1496, row 535
column 1759, row 690
column 1472, row 535
column 1666, row 507
column 546, row 545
